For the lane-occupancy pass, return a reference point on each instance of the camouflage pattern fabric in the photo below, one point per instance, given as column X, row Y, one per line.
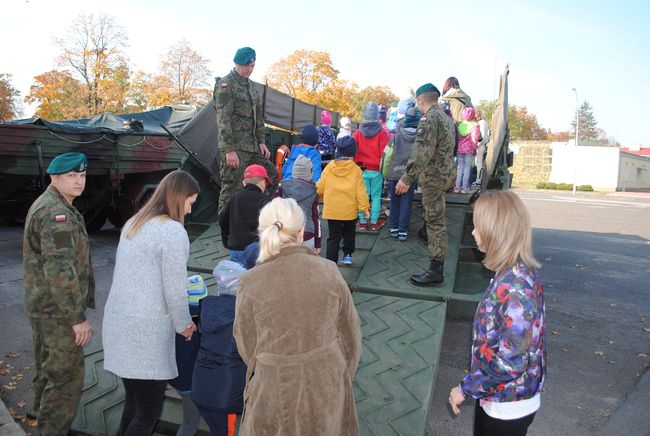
column 231, row 179
column 59, row 373
column 240, row 128
column 431, row 163
column 433, row 203
column 59, row 279
column 240, row 117
column 59, row 286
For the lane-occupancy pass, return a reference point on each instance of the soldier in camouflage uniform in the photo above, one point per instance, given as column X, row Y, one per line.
column 431, row 164
column 59, row 286
column 240, row 127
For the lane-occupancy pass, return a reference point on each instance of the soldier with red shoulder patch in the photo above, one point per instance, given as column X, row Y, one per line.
column 431, row 164
column 241, row 137
column 59, row 286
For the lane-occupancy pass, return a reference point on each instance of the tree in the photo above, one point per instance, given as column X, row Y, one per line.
column 522, row 124
column 60, row 96
column 9, row 105
column 93, row 48
column 187, row 72
column 378, row 94
column 487, row 109
column 147, row 91
column 304, row 74
column 588, row 126
column 558, row 136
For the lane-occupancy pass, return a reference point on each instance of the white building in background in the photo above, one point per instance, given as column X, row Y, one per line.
column 604, row 168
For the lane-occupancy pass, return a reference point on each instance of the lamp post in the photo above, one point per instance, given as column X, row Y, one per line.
column 575, row 157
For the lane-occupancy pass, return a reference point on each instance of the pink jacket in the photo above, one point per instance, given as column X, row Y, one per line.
column 469, row 132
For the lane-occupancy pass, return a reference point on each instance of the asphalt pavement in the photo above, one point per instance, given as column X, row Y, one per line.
column 595, row 251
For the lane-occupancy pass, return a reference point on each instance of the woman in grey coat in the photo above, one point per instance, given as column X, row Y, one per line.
column 147, row 303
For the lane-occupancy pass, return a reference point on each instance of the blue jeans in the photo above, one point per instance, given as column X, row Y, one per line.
column 464, row 165
column 400, row 208
column 237, row 256
column 374, row 181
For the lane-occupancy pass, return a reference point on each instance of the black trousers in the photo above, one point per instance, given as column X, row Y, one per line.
column 143, row 406
column 340, row 230
column 485, row 425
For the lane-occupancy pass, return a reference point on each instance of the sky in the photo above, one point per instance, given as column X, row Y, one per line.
column 596, row 47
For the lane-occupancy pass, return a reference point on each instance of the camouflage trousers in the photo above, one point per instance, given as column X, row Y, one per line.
column 433, row 203
column 231, row 179
column 59, row 373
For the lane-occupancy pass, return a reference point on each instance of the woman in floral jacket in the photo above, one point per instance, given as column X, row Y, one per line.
column 509, row 349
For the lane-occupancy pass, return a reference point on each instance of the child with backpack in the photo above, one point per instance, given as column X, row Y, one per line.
column 469, row 136
column 394, row 162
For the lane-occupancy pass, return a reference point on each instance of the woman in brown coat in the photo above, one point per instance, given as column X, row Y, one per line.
column 297, row 329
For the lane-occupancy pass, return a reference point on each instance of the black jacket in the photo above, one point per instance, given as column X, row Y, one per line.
column 239, row 217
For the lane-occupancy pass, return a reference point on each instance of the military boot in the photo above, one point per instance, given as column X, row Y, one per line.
column 431, row 277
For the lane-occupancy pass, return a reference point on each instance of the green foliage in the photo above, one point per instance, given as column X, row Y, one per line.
column 588, row 126
column 585, row 188
column 522, row 124
column 551, row 185
column 565, row 186
column 541, row 185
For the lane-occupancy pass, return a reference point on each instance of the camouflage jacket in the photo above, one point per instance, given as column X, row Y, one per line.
column 59, row 279
column 240, row 117
column 432, row 154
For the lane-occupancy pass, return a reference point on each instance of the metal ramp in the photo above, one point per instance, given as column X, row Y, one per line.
column 402, row 327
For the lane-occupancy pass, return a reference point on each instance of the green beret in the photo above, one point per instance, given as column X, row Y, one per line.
column 244, row 56
column 64, row 163
column 427, row 87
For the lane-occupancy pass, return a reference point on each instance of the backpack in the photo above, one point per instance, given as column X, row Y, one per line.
column 386, row 157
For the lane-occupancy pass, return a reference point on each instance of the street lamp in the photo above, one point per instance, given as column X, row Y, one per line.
column 575, row 158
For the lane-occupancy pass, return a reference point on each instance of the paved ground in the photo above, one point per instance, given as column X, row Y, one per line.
column 596, row 255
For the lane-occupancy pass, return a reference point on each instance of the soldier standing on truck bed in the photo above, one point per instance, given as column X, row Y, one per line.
column 432, row 164
column 59, row 286
column 240, row 127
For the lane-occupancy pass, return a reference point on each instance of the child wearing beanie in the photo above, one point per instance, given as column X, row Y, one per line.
column 344, row 197
column 401, row 144
column 301, row 188
column 309, row 136
column 371, row 139
column 325, row 136
column 469, row 135
column 346, row 128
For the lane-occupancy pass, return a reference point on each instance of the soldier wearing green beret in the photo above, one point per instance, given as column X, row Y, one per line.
column 240, row 126
column 431, row 163
column 59, row 286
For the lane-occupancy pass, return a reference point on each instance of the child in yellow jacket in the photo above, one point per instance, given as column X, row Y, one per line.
column 344, row 195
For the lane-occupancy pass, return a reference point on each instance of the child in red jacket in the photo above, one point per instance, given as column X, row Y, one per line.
column 371, row 138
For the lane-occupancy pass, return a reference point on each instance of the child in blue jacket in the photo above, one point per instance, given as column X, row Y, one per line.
column 309, row 137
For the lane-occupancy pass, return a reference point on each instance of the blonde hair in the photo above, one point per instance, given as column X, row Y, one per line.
column 504, row 227
column 280, row 223
column 167, row 200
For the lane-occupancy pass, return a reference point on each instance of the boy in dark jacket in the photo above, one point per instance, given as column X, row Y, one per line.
column 239, row 217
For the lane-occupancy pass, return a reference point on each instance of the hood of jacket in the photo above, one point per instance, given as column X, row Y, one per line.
column 370, row 129
column 298, row 189
column 343, row 167
column 408, row 133
column 457, row 93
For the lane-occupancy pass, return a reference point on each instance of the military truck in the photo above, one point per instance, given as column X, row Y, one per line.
column 127, row 154
column 402, row 325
